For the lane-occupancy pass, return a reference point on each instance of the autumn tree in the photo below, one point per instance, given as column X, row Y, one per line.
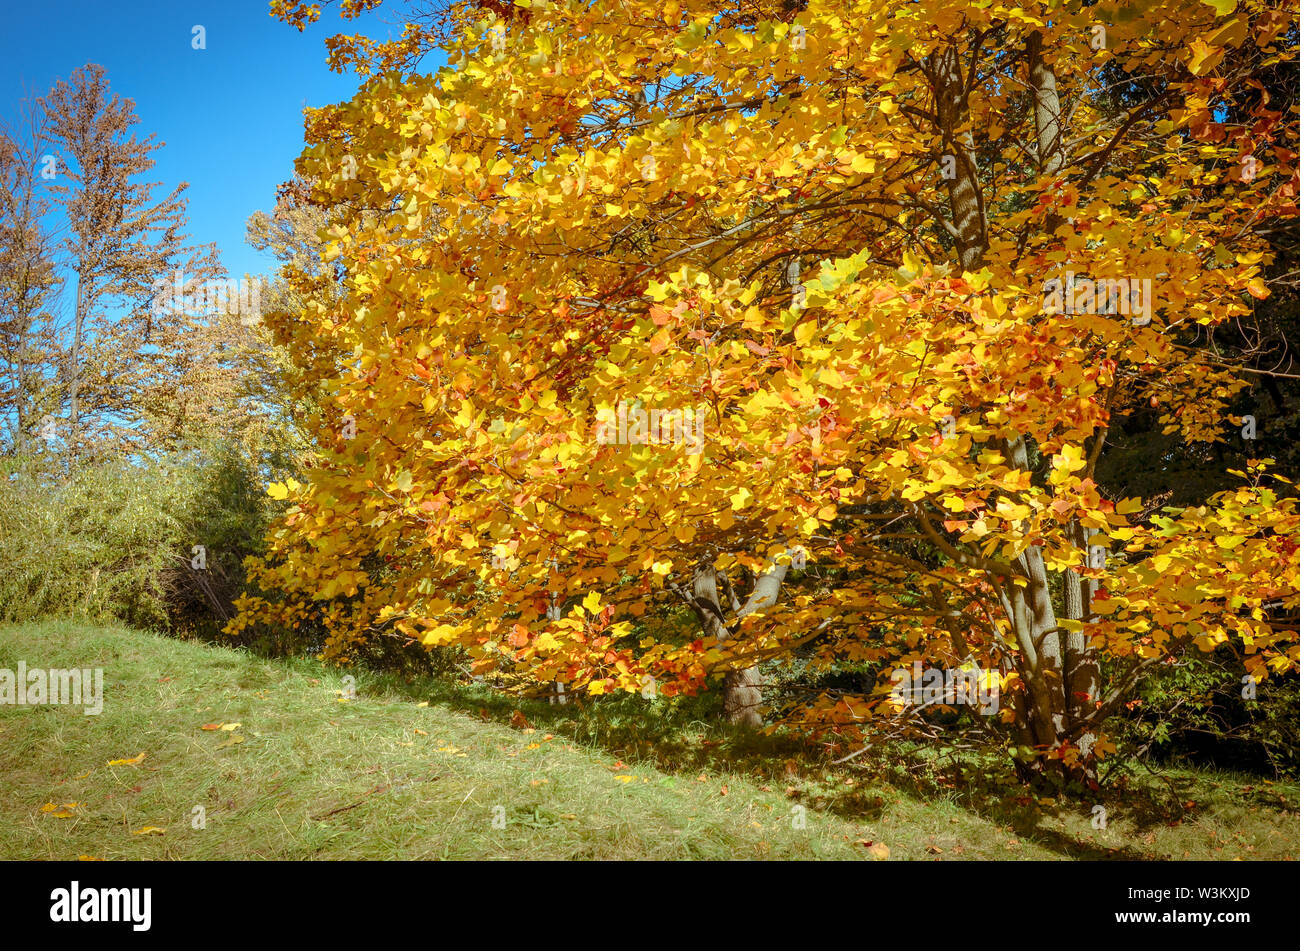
column 119, row 240
column 811, row 320
column 29, row 286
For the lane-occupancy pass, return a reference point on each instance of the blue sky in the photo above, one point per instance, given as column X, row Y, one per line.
column 230, row 115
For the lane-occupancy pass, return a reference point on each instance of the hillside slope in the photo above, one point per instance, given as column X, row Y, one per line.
column 300, row 773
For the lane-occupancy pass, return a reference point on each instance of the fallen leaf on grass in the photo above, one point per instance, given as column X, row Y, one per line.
column 230, row 742
column 624, row 779
column 88, row 858
column 64, row 811
column 419, row 732
column 879, row 851
column 150, row 830
column 220, row 726
column 517, row 719
column 128, row 762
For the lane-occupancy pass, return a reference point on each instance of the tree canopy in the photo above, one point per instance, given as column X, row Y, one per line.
column 665, row 338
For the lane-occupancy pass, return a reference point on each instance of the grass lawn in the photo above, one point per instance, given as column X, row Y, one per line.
column 426, row 770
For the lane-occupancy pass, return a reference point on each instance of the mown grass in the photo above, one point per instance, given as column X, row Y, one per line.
column 312, row 776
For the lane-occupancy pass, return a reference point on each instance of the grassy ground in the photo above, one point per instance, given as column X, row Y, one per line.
column 418, row 770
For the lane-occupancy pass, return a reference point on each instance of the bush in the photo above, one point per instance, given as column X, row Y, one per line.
column 115, row 539
column 1195, row 712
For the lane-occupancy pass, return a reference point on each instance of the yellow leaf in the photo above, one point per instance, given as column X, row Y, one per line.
column 1232, row 33
column 127, row 762
column 1204, row 56
column 60, row 812
column 150, row 830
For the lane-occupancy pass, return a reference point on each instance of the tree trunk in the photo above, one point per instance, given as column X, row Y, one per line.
column 965, row 199
column 78, row 321
column 1041, row 716
column 742, row 690
column 742, row 696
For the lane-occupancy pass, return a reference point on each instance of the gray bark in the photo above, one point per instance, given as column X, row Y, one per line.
column 742, row 690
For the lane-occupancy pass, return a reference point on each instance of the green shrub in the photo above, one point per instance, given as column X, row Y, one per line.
column 1198, row 712
column 115, row 539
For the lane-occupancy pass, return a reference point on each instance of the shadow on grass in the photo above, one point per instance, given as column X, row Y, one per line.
column 686, row 735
